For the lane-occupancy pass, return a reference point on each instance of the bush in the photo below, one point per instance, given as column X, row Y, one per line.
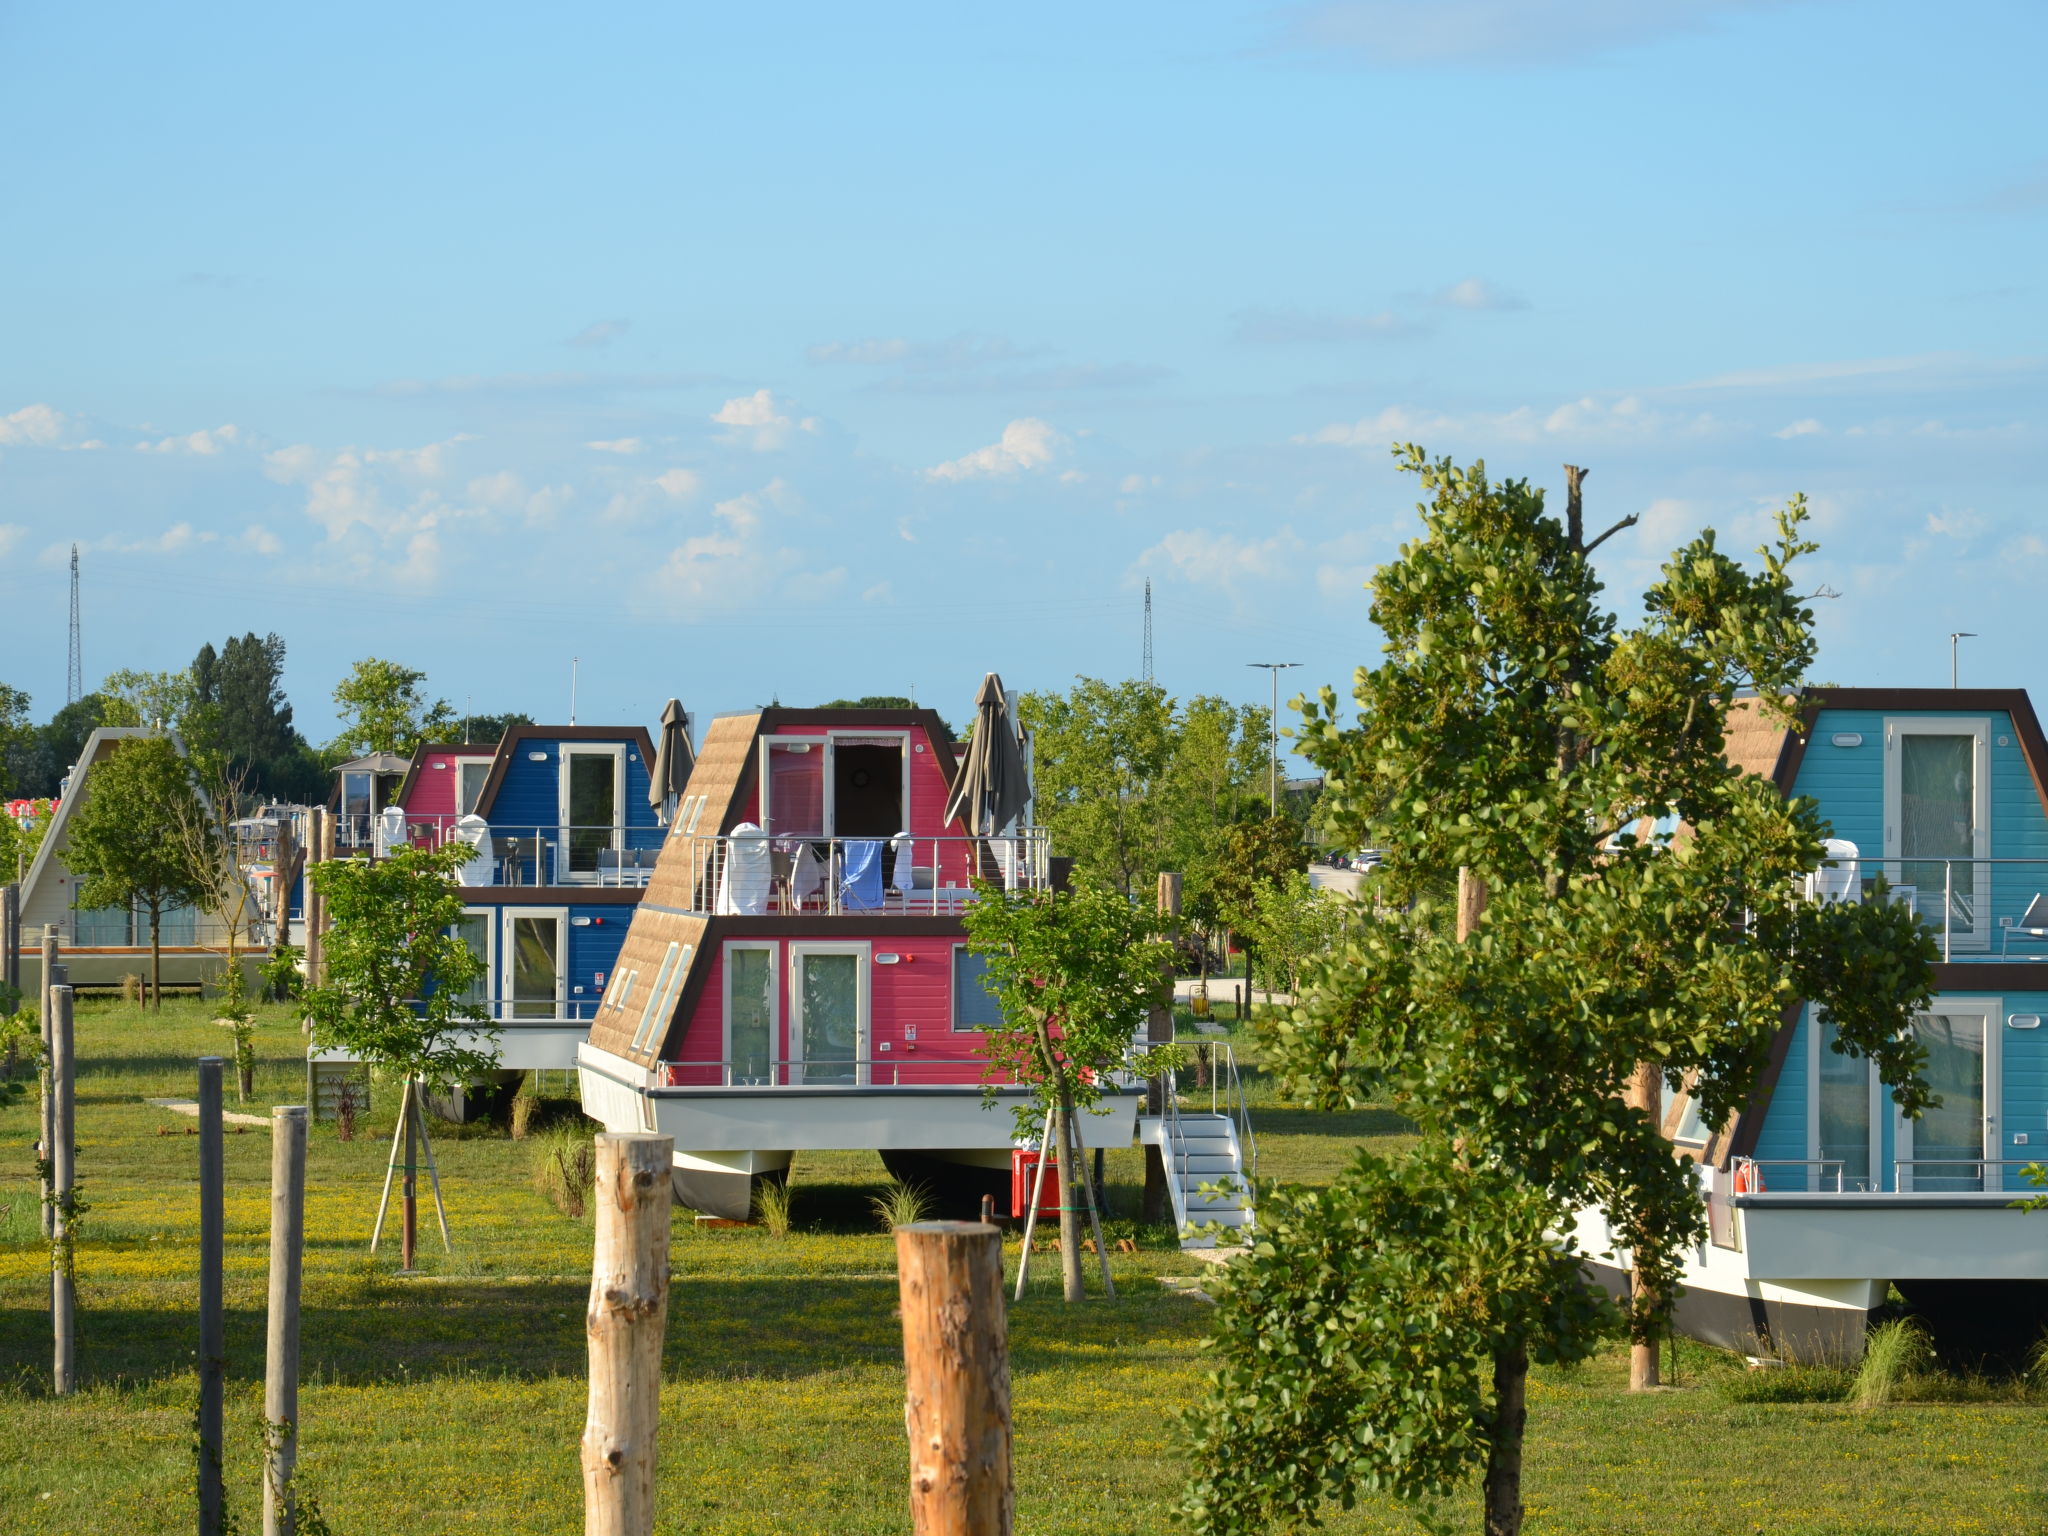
column 565, row 1168
column 900, row 1205
column 772, row 1201
column 1893, row 1353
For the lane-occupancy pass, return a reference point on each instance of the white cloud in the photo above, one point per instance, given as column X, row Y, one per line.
column 380, row 500
column 1806, row 426
column 963, row 351
column 1026, row 443
column 1587, row 417
column 1222, row 560
column 626, row 445
column 880, row 592
column 261, row 540
column 678, row 484
column 33, row 426
column 205, row 443
column 11, row 534
column 1963, row 525
column 599, row 333
column 178, row 537
column 759, row 420
column 741, row 562
column 1477, row 293
column 1284, row 327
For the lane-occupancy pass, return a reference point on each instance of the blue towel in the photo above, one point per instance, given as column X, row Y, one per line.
column 860, row 879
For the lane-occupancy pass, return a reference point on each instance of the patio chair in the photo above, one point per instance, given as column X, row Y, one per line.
column 2033, row 923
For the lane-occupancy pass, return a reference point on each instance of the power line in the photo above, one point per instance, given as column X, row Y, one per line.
column 75, row 682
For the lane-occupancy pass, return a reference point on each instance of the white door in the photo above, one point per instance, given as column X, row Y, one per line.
column 828, row 1013
column 1954, row 1145
column 536, row 958
column 1937, row 821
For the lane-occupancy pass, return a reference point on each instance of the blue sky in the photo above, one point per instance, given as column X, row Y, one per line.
column 794, row 351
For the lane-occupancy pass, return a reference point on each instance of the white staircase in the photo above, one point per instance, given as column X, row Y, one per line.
column 1199, row 1150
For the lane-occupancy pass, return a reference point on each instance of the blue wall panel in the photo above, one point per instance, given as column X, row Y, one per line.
column 1784, row 1132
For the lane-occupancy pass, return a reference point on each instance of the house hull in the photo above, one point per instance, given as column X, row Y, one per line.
column 727, row 1137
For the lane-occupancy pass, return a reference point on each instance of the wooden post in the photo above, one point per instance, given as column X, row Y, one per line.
column 1471, row 902
column 1646, row 1093
column 627, row 1317
column 46, row 983
column 315, row 906
column 1159, row 1030
column 408, row 1190
column 10, row 939
column 956, row 1367
column 213, row 1362
column 281, row 1356
column 63, row 1180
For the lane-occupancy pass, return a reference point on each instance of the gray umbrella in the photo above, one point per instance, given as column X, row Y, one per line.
column 993, row 785
column 673, row 759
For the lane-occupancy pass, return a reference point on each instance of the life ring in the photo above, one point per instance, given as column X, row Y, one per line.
column 1749, row 1179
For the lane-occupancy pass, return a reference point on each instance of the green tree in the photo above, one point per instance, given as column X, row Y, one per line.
column 1257, row 858
column 399, row 974
column 240, row 716
column 22, row 825
column 16, row 735
column 1074, row 974
column 486, row 728
column 383, row 710
column 1130, row 783
column 162, row 701
column 1513, row 731
column 41, row 757
column 1290, row 925
column 126, row 843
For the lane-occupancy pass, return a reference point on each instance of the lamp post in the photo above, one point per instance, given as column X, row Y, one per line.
column 1961, row 634
column 1275, row 668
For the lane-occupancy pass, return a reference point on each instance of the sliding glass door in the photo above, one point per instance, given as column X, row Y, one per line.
column 828, row 1013
column 592, row 798
column 1937, row 823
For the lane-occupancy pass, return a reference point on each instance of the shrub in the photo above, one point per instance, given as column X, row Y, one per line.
column 1892, row 1354
column 772, row 1201
column 900, row 1205
column 565, row 1168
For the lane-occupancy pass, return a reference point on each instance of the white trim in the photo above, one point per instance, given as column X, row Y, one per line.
column 953, row 995
column 569, row 752
column 462, row 765
column 490, row 976
column 725, row 1054
column 903, row 734
column 1978, row 934
column 864, row 1021
column 508, row 957
column 669, row 964
column 826, row 744
column 1873, row 1111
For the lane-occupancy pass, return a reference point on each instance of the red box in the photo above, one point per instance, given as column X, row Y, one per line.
column 1024, row 1169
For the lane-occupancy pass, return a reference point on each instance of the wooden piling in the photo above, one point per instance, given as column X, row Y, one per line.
column 212, row 1334
column 281, row 1354
column 1159, row 1031
column 956, row 1364
column 63, row 1183
column 47, row 981
column 627, row 1317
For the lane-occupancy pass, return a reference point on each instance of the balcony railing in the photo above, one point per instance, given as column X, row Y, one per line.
column 553, row 853
column 825, row 1072
column 1908, row 1175
column 760, row 875
column 1977, row 908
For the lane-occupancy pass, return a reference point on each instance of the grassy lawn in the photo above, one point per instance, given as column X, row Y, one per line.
column 455, row 1401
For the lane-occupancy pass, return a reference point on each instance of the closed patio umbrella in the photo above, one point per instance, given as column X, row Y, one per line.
column 993, row 786
column 673, row 759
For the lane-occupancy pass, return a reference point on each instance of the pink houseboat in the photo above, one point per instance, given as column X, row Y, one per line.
column 796, row 976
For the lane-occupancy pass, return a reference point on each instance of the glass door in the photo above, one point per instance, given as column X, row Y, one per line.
column 1946, row 1147
column 828, row 994
column 474, row 929
column 590, row 808
column 1845, row 1098
column 750, row 1013
column 533, row 980
column 1937, row 815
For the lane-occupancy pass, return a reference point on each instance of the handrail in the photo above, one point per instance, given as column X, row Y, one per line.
column 792, row 1072
column 1902, row 1172
column 761, row 874
column 1968, row 909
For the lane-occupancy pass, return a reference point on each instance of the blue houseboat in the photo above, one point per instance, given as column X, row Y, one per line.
column 1822, row 1198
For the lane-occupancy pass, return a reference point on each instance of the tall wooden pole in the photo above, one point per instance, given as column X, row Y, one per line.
column 10, row 938
column 956, row 1368
column 1646, row 1093
column 47, row 984
column 314, row 907
column 1471, row 902
column 63, row 1180
column 626, row 1320
column 281, row 1354
column 408, row 1192
column 213, row 1362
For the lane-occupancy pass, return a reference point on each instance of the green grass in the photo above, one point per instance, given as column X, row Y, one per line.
column 454, row 1401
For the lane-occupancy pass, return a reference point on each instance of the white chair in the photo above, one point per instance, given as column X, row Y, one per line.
column 2032, row 923
column 1836, row 879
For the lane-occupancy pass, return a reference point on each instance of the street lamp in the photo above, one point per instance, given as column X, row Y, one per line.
column 1275, row 668
column 1961, row 634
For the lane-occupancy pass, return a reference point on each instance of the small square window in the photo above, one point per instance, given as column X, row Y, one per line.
column 974, row 1005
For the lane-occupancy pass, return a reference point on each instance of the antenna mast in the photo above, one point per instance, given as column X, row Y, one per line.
column 75, row 681
column 1148, row 630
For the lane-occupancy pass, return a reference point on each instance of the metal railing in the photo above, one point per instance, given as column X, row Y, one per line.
column 523, row 854
column 1905, row 1178
column 1964, row 901
column 890, row 1071
column 764, row 874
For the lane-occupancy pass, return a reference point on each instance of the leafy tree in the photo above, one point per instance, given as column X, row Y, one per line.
column 1513, row 731
column 162, row 701
column 241, row 716
column 22, row 825
column 398, row 973
column 488, row 728
column 1074, row 973
column 15, row 736
column 39, row 758
column 1129, row 783
column 125, row 838
column 1291, row 925
column 1257, row 858
column 876, row 701
column 383, row 710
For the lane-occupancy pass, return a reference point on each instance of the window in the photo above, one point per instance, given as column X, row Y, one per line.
column 1692, row 1130
column 668, row 964
column 469, row 783
column 592, row 800
column 750, row 1012
column 974, row 1006
column 474, row 929
column 1937, row 814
